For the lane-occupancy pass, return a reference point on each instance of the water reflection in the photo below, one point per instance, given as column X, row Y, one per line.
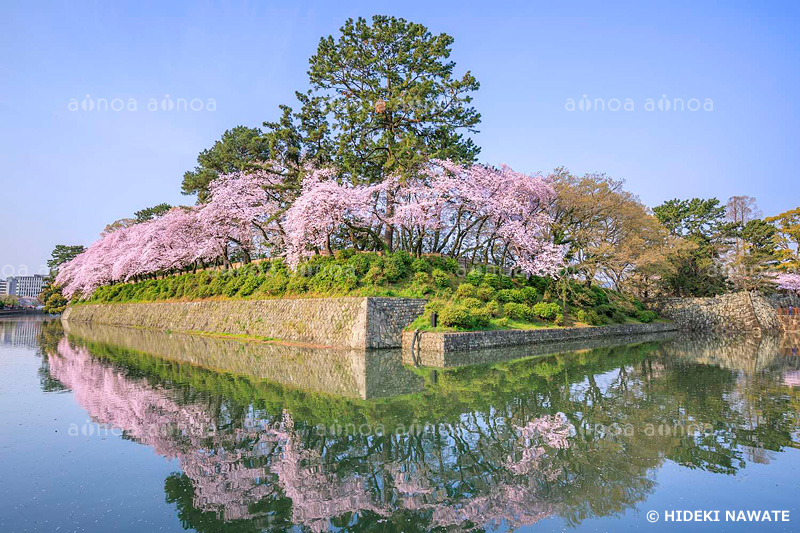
column 358, row 373
column 577, row 435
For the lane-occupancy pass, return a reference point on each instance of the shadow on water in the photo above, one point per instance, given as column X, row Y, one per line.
column 268, row 437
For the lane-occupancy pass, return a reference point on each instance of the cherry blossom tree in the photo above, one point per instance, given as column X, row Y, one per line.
column 788, row 282
column 490, row 215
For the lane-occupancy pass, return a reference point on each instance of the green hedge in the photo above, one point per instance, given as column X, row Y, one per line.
column 479, row 300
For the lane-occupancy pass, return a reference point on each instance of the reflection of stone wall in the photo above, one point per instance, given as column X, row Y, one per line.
column 728, row 313
column 340, row 322
column 353, row 373
column 747, row 353
column 446, row 342
column 506, row 353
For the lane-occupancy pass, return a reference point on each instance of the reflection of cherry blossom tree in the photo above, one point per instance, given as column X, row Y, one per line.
column 536, row 437
column 267, row 457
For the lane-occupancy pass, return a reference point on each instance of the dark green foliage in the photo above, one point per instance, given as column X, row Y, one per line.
column 360, row 263
column 646, row 316
column 589, row 317
column 345, row 254
column 413, row 77
column 529, row 295
column 454, row 315
column 149, row 213
column 461, row 316
column 61, row 254
column 600, row 296
column 504, row 282
column 703, row 224
column 619, row 317
column 240, row 148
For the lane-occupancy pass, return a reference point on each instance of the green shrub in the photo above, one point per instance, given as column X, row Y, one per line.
column 517, row 311
column 546, row 310
column 559, row 320
column 275, row 284
column 421, row 265
column 404, row 257
column 250, row 284
column 502, row 322
column 475, row 276
column 374, row 275
column 440, row 277
column 646, row 316
column 334, row 279
column 434, row 306
column 420, row 277
column 448, row 264
column 605, row 309
column 511, row 295
column 217, row 284
column 505, row 282
column 471, row 303
column 359, row 263
column 619, row 317
column 466, row 290
column 233, row 285
column 541, row 284
column 345, row 254
column 600, row 296
column 529, row 295
column 485, row 293
column 588, row 317
column 298, row 284
column 494, row 308
column 491, row 280
column 395, row 268
column 480, row 317
column 454, row 315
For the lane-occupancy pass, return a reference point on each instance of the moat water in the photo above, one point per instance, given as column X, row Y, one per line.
column 113, row 429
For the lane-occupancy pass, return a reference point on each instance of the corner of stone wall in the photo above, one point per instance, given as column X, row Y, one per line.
column 388, row 317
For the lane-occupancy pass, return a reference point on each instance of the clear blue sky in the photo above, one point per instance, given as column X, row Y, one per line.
column 65, row 174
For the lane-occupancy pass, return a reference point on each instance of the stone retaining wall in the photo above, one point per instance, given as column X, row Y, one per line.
column 738, row 312
column 338, row 322
column 447, row 342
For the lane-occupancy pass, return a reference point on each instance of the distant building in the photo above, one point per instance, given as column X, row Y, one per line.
column 4, row 287
column 26, row 286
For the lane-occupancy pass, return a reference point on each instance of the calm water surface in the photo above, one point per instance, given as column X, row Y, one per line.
column 112, row 429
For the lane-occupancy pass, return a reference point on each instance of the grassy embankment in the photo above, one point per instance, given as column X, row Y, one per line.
column 478, row 300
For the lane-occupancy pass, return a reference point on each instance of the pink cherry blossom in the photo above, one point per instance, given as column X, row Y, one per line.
column 485, row 214
column 788, row 282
